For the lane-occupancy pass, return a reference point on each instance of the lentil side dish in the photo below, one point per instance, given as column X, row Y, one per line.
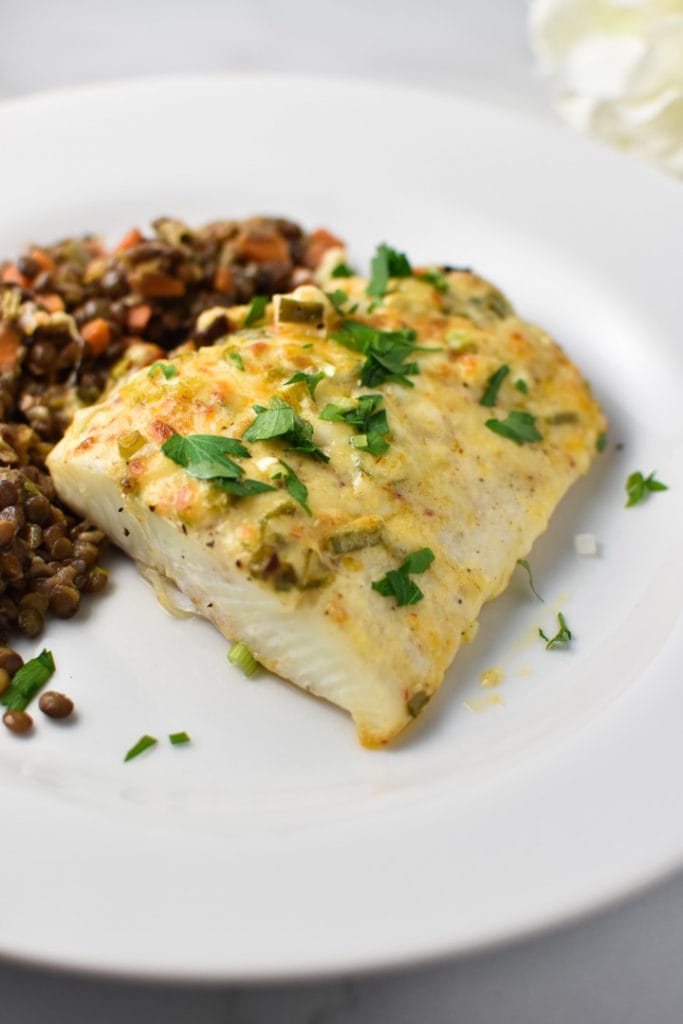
column 75, row 313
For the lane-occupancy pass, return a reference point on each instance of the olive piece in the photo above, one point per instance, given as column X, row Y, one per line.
column 17, row 721
column 55, row 705
column 4, row 680
column 10, row 660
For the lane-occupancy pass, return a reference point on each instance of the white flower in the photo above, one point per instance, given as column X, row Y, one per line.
column 617, row 66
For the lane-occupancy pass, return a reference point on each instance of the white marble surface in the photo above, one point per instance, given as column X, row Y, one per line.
column 621, row 966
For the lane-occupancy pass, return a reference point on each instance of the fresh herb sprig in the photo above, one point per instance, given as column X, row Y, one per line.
column 339, row 299
column 561, row 638
column 385, row 352
column 385, row 264
column 397, row 583
column 369, row 421
column 256, row 311
column 311, row 380
column 527, row 568
column 493, row 386
column 296, row 487
column 519, row 427
column 280, row 421
column 168, row 369
column 206, row 457
column 638, row 487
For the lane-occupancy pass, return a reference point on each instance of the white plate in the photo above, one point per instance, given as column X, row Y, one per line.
column 274, row 846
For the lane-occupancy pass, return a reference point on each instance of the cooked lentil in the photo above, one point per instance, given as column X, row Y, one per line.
column 68, row 313
column 55, row 705
column 17, row 721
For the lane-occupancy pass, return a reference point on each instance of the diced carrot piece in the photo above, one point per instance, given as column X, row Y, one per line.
column 223, row 280
column 10, row 340
column 97, row 335
column 12, row 275
column 52, row 302
column 43, row 259
column 138, row 317
column 262, row 245
column 131, row 238
column 157, row 286
column 319, row 241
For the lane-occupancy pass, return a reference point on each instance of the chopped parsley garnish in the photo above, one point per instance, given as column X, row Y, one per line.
column 177, row 738
column 493, row 385
column 527, row 568
column 386, row 263
column 639, row 486
column 369, row 421
column 169, row 371
column 236, row 358
column 519, row 427
column 256, row 311
column 27, row 681
column 601, row 442
column 522, row 386
column 280, row 421
column 397, row 583
column 385, row 352
column 563, row 635
column 143, row 744
column 342, row 270
column 338, row 298
column 311, row 380
column 296, row 487
column 242, row 658
column 205, row 457
column 435, row 277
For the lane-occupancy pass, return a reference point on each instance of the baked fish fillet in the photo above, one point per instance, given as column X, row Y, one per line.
column 363, row 492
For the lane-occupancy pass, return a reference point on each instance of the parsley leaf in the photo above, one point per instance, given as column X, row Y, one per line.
column 311, row 380
column 342, row 270
column 519, row 427
column 27, row 681
column 280, row 421
column 169, row 371
column 493, row 385
column 385, row 352
column 396, row 583
column 601, row 442
column 205, row 457
column 522, row 386
column 144, row 743
column 256, row 311
column 386, row 263
column 236, row 359
column 563, row 635
column 338, row 298
column 436, row 278
column 296, row 487
column 527, row 568
column 638, row 487
column 370, row 422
